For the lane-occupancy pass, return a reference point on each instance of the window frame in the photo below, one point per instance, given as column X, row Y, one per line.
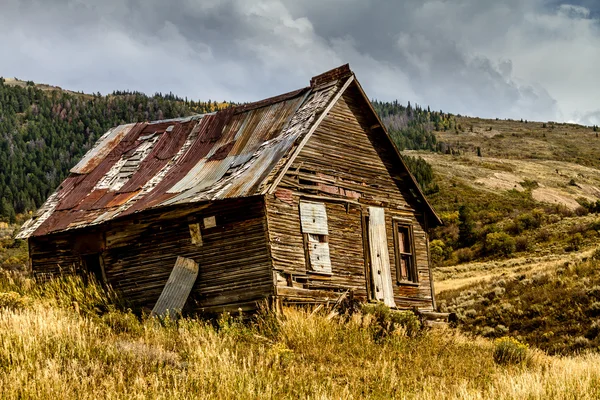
column 412, row 272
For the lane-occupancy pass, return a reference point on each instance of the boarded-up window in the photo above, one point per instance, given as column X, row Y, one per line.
column 210, row 222
column 313, row 217
column 406, row 262
column 195, row 234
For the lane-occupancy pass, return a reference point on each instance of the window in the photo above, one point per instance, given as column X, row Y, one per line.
column 406, row 262
column 313, row 221
column 93, row 265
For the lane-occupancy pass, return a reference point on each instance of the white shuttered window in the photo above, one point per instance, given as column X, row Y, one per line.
column 313, row 217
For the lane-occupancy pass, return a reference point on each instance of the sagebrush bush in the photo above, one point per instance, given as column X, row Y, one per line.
column 574, row 242
column 509, row 351
column 593, row 331
column 522, row 243
column 594, row 309
column 543, row 235
column 388, row 321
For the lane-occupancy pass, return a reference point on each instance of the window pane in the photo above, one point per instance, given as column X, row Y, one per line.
column 404, row 240
column 401, row 240
column 404, row 265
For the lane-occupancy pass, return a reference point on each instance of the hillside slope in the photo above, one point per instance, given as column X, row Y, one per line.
column 555, row 307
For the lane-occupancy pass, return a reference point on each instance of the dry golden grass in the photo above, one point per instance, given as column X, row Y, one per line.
column 51, row 349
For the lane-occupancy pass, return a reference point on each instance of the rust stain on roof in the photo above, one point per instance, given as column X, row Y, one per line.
column 103, row 146
column 134, row 167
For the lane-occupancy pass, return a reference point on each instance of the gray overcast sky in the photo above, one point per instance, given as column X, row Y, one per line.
column 531, row 59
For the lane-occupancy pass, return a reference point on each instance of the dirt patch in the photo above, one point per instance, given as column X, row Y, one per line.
column 502, row 181
column 554, row 196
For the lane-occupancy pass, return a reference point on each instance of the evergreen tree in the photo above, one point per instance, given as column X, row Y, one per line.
column 465, row 227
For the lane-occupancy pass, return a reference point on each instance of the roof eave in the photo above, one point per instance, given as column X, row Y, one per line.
column 436, row 217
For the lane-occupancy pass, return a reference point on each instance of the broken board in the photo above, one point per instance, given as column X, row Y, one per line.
column 177, row 289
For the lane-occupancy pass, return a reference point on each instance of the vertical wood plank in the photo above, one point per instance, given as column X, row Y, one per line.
column 319, row 254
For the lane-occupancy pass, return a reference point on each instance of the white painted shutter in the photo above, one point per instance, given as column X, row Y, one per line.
column 319, row 254
column 380, row 257
column 313, row 217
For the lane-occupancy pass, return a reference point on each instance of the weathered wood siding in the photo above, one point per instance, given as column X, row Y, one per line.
column 139, row 253
column 349, row 167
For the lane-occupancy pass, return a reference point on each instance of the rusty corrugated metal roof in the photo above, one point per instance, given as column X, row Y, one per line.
column 134, row 167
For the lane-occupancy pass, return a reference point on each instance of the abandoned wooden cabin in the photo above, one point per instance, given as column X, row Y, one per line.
column 297, row 198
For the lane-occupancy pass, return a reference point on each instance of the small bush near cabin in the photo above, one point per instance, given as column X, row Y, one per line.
column 509, row 351
column 388, row 321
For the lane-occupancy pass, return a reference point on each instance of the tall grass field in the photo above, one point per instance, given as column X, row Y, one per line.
column 68, row 340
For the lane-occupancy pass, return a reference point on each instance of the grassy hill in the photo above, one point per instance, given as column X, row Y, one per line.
column 555, row 307
column 515, row 178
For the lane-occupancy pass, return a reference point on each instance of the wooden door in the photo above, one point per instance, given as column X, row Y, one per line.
column 379, row 257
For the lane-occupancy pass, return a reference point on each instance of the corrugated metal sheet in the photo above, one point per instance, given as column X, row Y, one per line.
column 103, row 146
column 231, row 153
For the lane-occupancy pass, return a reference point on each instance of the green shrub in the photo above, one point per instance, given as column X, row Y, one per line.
column 575, row 242
column 543, row 235
column 464, row 255
column 499, row 243
column 387, row 321
column 509, row 351
column 521, row 243
column 436, row 250
column 531, row 220
column 13, row 301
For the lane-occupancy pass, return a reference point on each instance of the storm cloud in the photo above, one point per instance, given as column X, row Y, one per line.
column 534, row 59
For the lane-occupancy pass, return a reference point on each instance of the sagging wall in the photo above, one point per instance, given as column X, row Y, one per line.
column 348, row 167
column 139, row 252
